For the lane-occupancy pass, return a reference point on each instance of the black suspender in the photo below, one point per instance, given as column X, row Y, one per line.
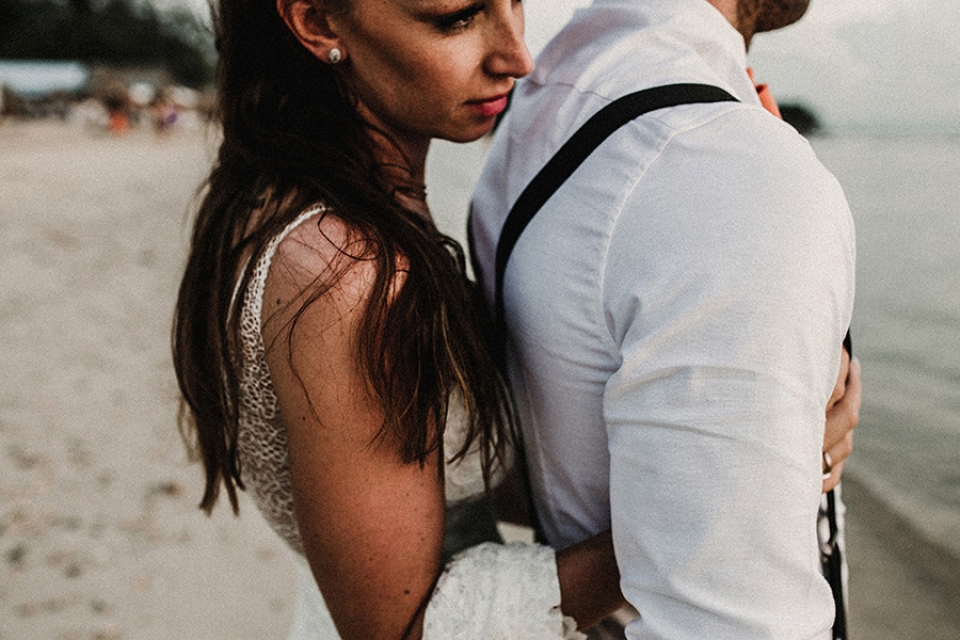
column 570, row 156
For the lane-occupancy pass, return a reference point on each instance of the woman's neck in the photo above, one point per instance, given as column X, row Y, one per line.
column 403, row 159
column 404, row 168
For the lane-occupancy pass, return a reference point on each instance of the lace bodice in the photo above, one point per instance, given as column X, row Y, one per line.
column 262, row 442
column 509, row 592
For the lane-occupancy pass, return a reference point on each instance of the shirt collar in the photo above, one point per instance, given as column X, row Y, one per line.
column 597, row 33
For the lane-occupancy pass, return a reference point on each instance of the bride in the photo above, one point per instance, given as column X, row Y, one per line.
column 326, row 340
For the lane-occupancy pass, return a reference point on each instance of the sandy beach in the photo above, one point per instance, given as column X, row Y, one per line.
column 100, row 537
column 99, row 531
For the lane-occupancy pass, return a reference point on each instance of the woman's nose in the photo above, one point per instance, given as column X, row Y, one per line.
column 509, row 55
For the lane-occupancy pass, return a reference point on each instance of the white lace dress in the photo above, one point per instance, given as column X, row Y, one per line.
column 489, row 591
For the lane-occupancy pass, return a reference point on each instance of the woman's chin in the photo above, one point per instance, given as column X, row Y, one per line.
column 472, row 134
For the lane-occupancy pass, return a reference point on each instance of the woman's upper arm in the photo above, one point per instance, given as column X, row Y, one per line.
column 371, row 526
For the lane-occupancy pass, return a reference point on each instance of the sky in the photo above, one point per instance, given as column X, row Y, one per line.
column 886, row 65
column 891, row 64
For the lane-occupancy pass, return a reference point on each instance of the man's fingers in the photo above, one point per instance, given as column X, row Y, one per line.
column 839, row 452
column 830, row 482
column 839, row 389
column 834, row 460
column 844, row 415
column 842, row 418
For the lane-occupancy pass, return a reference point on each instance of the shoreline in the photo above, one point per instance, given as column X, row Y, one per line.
column 937, row 562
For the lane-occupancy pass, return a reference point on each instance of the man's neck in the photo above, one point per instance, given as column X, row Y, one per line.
column 730, row 9
column 750, row 17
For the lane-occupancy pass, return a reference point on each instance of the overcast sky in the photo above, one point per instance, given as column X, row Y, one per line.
column 889, row 64
column 892, row 64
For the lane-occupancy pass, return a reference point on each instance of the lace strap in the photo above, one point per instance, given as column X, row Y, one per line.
column 252, row 310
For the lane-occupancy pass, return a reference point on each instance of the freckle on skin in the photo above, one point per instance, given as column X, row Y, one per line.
column 406, row 592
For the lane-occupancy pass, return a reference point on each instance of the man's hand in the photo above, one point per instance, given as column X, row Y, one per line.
column 843, row 414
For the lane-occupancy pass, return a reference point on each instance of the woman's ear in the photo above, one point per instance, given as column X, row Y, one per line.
column 312, row 27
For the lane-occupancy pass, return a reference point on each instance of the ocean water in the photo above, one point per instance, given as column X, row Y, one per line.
column 904, row 192
column 905, row 196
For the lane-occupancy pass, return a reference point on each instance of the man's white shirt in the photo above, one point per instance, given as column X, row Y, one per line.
column 676, row 312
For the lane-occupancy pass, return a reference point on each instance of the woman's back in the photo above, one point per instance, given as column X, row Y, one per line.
column 265, row 470
column 356, row 320
column 262, row 441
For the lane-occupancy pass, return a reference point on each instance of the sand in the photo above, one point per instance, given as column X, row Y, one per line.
column 100, row 537
column 99, row 532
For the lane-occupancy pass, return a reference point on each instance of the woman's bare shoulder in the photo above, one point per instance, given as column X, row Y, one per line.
column 320, row 243
column 322, row 254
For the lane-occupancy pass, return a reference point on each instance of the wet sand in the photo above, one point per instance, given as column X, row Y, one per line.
column 100, row 537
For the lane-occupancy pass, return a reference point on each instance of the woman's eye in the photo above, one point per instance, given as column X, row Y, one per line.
column 459, row 19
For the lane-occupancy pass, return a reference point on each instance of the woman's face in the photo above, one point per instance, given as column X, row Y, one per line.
column 432, row 68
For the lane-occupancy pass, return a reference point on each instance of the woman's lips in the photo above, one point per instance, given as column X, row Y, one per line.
column 491, row 106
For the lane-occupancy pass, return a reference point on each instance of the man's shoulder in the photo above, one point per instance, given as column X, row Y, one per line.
column 728, row 134
column 733, row 140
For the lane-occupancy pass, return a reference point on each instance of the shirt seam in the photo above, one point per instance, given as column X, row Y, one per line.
column 672, row 133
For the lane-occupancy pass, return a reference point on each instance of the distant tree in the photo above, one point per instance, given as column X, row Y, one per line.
column 801, row 118
column 31, row 29
column 116, row 32
column 81, row 7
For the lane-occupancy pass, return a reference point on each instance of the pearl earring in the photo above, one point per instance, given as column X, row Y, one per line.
column 334, row 56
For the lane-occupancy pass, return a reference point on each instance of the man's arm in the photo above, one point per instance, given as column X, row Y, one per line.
column 729, row 293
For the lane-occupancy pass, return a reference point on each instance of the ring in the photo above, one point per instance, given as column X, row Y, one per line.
column 827, row 465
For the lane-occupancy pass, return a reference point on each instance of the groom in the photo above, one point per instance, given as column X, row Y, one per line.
column 675, row 313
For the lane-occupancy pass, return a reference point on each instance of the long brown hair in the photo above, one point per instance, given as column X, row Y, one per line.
column 291, row 138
